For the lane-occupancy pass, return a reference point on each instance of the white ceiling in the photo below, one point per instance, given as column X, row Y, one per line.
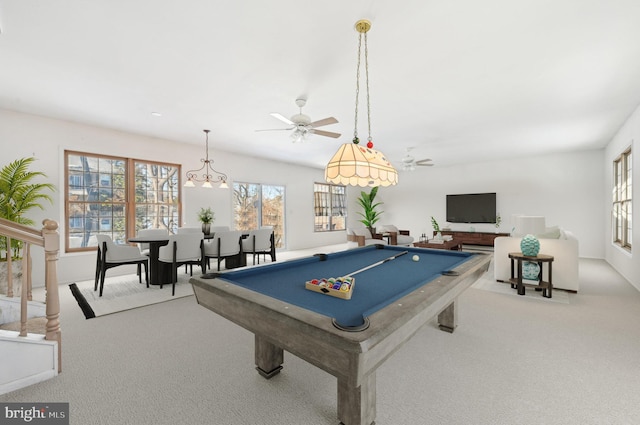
column 459, row 80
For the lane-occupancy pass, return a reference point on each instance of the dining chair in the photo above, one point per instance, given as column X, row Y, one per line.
column 111, row 255
column 224, row 244
column 182, row 230
column 185, row 248
column 144, row 247
column 214, row 229
column 259, row 241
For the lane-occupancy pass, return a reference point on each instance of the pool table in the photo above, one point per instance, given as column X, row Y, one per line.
column 350, row 338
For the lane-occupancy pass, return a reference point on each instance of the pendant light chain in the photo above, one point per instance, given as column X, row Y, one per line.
column 366, row 68
column 356, row 140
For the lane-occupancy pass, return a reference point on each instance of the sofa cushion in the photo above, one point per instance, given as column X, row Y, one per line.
column 362, row 231
column 389, row 228
column 550, row 233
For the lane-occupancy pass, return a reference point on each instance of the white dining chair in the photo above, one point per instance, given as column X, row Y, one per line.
column 112, row 255
column 223, row 245
column 182, row 230
column 185, row 248
column 144, row 247
column 259, row 241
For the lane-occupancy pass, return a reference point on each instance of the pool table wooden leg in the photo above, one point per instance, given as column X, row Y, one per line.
column 357, row 405
column 269, row 358
column 448, row 318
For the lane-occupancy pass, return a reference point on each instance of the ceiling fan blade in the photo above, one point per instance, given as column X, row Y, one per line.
column 425, row 162
column 325, row 133
column 326, row 121
column 282, row 118
column 276, row 129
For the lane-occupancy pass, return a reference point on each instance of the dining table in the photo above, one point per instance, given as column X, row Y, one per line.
column 159, row 272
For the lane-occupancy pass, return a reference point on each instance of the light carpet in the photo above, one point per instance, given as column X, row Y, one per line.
column 487, row 283
column 122, row 293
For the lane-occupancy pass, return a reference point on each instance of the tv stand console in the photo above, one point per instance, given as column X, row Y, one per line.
column 473, row 238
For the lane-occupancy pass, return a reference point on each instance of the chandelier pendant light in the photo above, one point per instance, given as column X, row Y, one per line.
column 206, row 174
column 354, row 164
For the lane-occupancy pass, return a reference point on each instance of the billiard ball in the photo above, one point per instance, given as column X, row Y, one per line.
column 416, row 258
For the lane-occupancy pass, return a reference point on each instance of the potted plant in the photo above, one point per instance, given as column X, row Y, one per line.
column 369, row 214
column 436, row 228
column 206, row 217
column 18, row 195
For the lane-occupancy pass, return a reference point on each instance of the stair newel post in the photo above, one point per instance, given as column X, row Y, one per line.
column 51, row 250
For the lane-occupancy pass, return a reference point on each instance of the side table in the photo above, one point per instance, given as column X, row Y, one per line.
column 516, row 279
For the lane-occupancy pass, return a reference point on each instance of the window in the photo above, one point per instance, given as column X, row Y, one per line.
column 103, row 193
column 622, row 214
column 330, row 207
column 256, row 205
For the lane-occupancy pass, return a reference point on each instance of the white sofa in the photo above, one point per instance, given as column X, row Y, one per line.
column 562, row 245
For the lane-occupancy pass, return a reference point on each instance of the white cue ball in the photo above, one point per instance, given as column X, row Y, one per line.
column 416, row 258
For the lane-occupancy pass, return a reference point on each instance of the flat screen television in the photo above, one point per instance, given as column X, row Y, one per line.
column 471, row 208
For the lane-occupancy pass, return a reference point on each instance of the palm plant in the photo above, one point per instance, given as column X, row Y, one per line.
column 18, row 194
column 369, row 215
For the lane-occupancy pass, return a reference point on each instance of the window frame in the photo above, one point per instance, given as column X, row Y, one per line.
column 280, row 236
column 622, row 218
column 331, row 197
column 127, row 205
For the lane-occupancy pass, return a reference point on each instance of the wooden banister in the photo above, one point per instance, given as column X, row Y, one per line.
column 49, row 239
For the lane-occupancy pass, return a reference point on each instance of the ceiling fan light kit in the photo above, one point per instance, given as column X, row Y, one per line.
column 353, row 164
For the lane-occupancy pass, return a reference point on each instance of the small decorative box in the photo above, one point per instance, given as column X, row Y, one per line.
column 341, row 287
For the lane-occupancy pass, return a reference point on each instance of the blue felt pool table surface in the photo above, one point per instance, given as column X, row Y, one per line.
column 373, row 290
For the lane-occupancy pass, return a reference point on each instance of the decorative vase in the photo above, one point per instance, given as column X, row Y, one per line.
column 530, row 246
column 530, row 270
column 206, row 228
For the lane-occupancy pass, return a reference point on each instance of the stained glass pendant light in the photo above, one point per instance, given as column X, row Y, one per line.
column 354, row 164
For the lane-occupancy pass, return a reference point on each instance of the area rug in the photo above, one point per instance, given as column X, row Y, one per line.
column 487, row 283
column 125, row 293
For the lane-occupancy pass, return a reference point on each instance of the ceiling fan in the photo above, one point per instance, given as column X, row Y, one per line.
column 302, row 125
column 409, row 163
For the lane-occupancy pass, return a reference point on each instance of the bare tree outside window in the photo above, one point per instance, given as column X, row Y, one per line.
column 256, row 205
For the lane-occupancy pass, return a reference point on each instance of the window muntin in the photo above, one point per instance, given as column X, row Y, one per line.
column 256, row 205
column 622, row 200
column 330, row 207
column 99, row 198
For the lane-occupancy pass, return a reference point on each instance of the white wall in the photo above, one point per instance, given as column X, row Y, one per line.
column 565, row 188
column 569, row 189
column 621, row 260
column 23, row 135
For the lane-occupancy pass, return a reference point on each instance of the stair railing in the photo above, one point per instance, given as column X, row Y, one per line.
column 49, row 239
